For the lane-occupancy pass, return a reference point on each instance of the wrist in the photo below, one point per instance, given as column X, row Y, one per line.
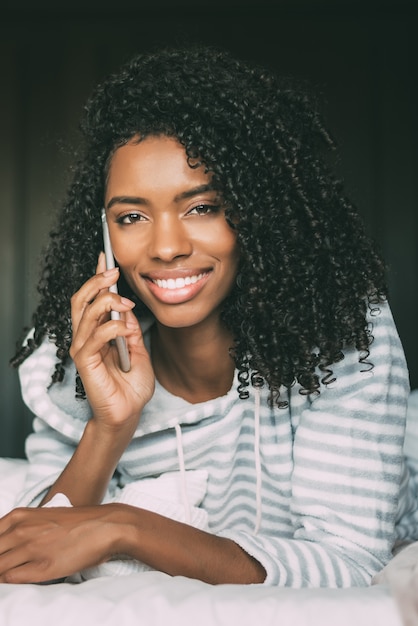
column 109, row 437
column 121, row 531
column 89, row 471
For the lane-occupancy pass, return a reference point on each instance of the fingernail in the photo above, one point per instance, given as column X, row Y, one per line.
column 132, row 325
column 111, row 272
column 127, row 302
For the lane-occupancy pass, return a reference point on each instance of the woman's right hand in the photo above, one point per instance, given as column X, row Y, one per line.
column 116, row 397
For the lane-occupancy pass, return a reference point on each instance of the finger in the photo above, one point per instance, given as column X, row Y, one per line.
column 97, row 313
column 10, row 520
column 132, row 323
column 6, row 544
column 101, row 263
column 31, row 571
column 135, row 338
column 11, row 560
column 95, row 351
column 139, row 354
column 21, row 574
column 97, row 284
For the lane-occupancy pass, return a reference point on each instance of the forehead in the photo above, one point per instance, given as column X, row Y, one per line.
column 154, row 163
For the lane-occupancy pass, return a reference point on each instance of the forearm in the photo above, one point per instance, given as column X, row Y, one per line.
column 86, row 477
column 182, row 550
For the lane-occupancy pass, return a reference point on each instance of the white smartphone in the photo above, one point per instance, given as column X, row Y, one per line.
column 124, row 360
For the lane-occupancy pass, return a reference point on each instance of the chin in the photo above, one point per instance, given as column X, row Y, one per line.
column 181, row 318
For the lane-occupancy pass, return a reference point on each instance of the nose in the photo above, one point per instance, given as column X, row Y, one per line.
column 169, row 239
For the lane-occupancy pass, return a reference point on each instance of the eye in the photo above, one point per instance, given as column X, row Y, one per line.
column 130, row 218
column 204, row 209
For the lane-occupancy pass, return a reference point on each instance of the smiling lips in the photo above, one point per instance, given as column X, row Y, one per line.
column 177, row 290
column 178, row 283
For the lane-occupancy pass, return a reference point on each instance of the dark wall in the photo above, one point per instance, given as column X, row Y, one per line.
column 360, row 56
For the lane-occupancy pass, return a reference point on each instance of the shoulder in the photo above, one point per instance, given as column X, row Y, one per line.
column 369, row 387
column 55, row 404
column 38, row 367
column 382, row 325
column 386, row 356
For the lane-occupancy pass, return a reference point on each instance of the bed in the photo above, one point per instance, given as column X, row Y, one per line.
column 155, row 599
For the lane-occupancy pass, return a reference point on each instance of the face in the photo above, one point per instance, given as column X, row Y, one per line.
column 168, row 231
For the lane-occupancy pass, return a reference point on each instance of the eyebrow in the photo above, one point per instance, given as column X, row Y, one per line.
column 195, row 191
column 184, row 195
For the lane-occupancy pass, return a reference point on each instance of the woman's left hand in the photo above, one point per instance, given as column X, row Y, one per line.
column 45, row 544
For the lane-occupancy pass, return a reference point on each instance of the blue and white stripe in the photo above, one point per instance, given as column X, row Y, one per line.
column 317, row 492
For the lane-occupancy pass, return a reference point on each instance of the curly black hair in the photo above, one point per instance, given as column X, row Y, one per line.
column 308, row 271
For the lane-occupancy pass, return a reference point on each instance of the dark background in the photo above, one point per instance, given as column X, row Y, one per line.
column 361, row 56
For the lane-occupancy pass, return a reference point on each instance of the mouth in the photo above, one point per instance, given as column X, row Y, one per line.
column 178, row 283
column 179, row 289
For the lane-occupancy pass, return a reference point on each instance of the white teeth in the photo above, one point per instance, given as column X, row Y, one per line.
column 177, row 283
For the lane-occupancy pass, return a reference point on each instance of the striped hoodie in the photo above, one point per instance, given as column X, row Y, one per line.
column 317, row 492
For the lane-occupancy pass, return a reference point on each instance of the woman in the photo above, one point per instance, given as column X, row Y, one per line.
column 257, row 436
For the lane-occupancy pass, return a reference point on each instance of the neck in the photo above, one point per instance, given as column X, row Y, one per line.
column 193, row 363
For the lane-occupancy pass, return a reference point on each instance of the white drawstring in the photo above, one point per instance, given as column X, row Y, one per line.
column 182, row 467
column 257, row 459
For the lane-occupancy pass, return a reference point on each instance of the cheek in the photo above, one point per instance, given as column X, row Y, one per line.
column 228, row 255
column 222, row 241
column 229, row 249
column 126, row 250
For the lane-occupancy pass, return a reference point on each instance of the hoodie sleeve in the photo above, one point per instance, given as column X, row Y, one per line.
column 48, row 454
column 347, row 474
column 56, row 428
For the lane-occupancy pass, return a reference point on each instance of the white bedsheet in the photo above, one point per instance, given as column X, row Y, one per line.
column 155, row 599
